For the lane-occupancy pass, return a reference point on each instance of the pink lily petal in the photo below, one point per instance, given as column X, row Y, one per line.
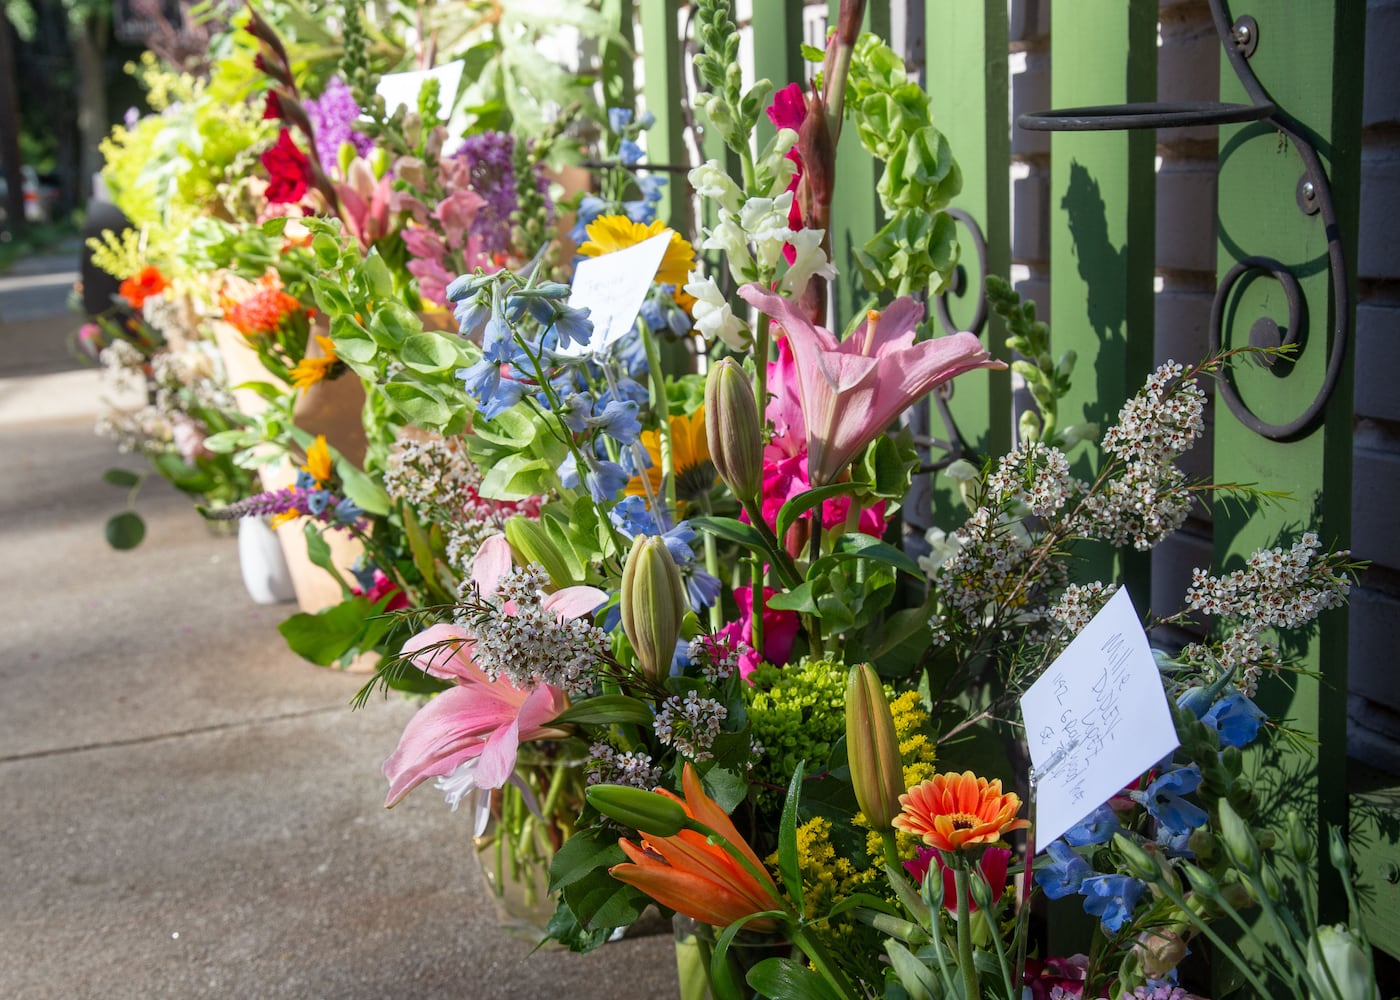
column 444, row 651
column 493, row 561
column 574, row 602
column 445, row 732
column 851, row 391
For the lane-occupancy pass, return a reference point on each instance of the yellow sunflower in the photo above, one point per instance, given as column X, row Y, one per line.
column 318, row 460
column 308, row 371
column 690, row 453
column 617, row 232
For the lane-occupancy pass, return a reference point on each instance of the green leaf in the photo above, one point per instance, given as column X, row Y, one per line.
column 804, row 502
column 368, row 495
column 917, row 978
column 516, row 477
column 584, row 852
column 607, row 709
column 801, row 599
column 418, row 405
column 429, row 353
column 789, row 979
column 318, row 550
column 328, row 635
column 789, row 864
column 125, row 530
column 377, row 276
column 731, row 529
column 858, row 546
column 121, row 477
column 599, row 900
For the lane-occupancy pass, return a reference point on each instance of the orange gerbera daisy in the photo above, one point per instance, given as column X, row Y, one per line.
column 690, row 875
column 617, row 232
column 142, row 286
column 956, row 811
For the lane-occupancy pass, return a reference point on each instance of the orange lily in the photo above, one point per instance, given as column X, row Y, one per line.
column 957, row 811
column 692, row 876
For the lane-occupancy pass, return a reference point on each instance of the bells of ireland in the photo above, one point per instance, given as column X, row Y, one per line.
column 653, row 604
column 877, row 773
column 733, row 430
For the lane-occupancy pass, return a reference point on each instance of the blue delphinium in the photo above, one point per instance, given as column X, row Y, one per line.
column 1163, row 799
column 1111, row 898
column 1066, row 872
column 1096, row 828
column 1235, row 719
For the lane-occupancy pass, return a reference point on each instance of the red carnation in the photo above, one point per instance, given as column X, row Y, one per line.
column 288, row 170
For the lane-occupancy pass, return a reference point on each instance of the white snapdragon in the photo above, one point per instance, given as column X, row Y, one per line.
column 713, row 315
column 730, row 239
column 811, row 261
column 774, row 162
column 711, row 181
column 765, row 221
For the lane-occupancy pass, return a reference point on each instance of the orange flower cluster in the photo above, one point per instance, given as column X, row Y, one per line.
column 956, row 811
column 263, row 311
column 143, row 286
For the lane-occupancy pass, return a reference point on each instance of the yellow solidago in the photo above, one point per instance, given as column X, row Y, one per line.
column 617, row 232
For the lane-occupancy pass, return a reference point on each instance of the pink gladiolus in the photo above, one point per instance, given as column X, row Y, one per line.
column 851, row 390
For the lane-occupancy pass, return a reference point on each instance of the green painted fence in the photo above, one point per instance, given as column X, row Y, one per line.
column 1306, row 57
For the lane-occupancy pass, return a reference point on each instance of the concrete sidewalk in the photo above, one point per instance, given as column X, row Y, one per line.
column 189, row 810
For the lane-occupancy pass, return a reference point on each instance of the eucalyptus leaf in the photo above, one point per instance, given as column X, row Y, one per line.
column 124, row 531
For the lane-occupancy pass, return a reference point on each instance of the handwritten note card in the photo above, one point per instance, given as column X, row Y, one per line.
column 611, row 288
column 403, row 88
column 1095, row 720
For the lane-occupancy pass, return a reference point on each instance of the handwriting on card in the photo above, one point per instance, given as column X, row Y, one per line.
column 1096, row 719
column 612, row 287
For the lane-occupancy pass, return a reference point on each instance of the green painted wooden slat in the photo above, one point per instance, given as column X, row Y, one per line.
column 966, row 76
column 1307, row 60
column 619, row 82
column 665, row 94
column 1102, row 226
column 777, row 51
column 855, row 209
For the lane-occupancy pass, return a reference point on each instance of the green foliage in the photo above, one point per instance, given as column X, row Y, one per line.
column 1047, row 377
column 894, row 119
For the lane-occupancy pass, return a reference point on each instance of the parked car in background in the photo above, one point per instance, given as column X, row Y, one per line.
column 36, row 204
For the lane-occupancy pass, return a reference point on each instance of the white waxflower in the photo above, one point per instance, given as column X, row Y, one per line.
column 711, row 181
column 811, row 260
column 713, row 315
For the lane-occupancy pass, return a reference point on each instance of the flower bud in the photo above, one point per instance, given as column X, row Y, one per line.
column 1139, row 863
column 1272, row 887
column 1238, row 840
column 1204, row 846
column 648, row 812
column 1159, row 952
column 653, row 604
column 1337, row 850
column 1299, row 843
column 1200, row 880
column 1335, row 952
column 531, row 543
column 733, row 430
column 877, row 773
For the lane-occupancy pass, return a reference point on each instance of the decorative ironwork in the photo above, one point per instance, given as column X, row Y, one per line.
column 960, row 283
column 1240, row 39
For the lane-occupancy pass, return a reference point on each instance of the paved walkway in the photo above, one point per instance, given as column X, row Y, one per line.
column 187, row 809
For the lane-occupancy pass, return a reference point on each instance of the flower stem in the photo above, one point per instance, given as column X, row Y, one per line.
column 661, row 404
column 777, row 555
column 816, row 953
column 972, row 990
column 711, row 565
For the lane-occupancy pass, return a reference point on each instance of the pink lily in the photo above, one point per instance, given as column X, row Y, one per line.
column 851, row 390
column 480, row 722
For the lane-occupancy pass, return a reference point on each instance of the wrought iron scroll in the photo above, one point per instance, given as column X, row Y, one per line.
column 1240, row 39
column 960, row 283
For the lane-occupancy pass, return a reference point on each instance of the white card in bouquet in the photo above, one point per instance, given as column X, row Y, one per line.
column 1095, row 720
column 612, row 288
column 403, row 88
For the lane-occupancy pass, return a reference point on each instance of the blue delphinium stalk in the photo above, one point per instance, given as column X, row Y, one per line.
column 1066, row 872
column 1096, row 828
column 1235, row 719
